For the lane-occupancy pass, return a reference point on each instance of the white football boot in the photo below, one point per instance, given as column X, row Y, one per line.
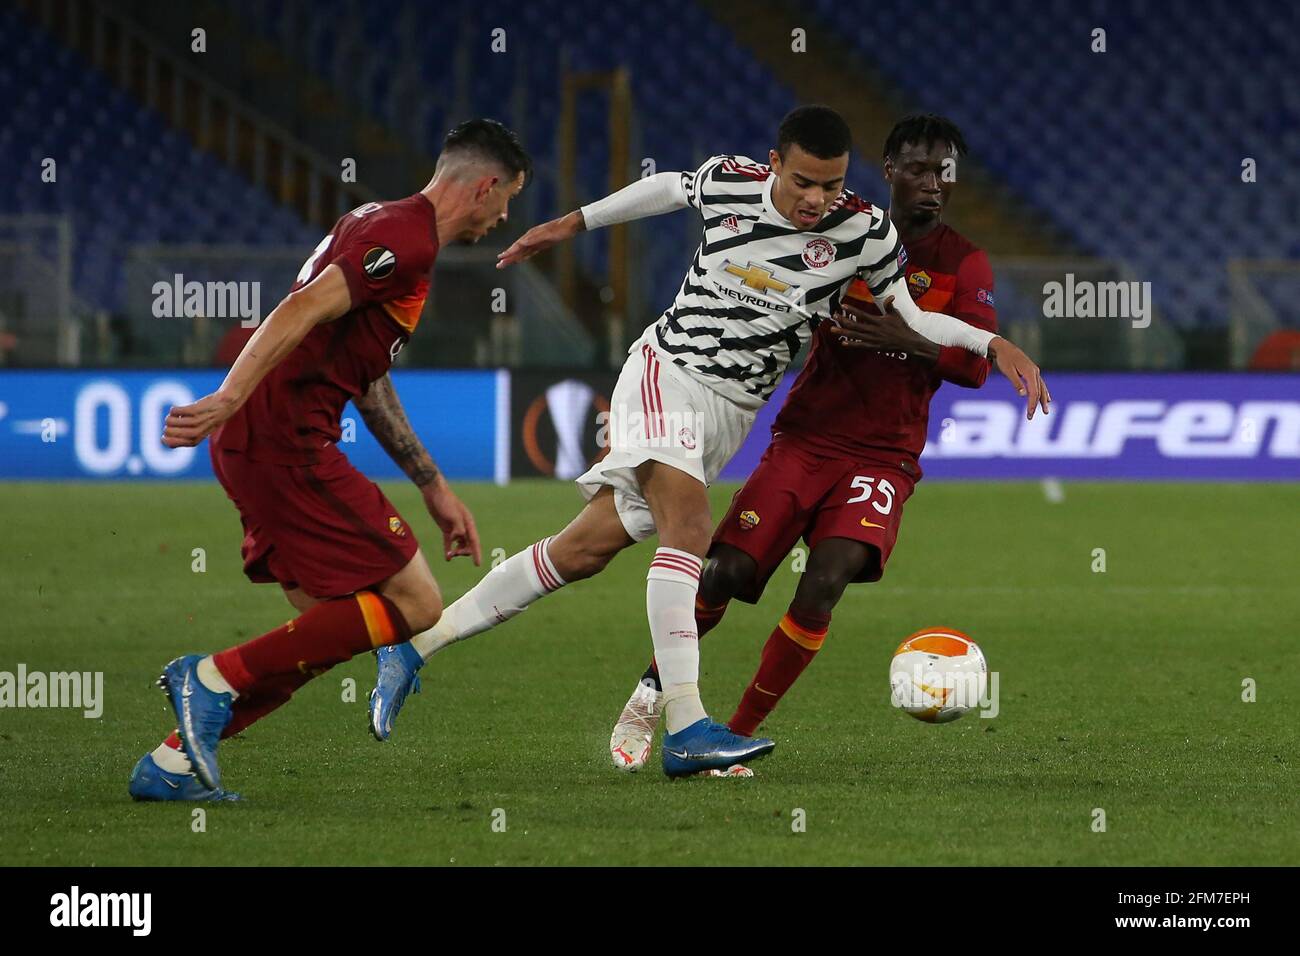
column 736, row 770
column 632, row 741
column 633, row 737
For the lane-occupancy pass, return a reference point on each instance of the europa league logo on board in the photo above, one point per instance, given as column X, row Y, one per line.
column 559, row 426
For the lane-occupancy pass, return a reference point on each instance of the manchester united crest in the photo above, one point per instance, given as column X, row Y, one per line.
column 818, row 253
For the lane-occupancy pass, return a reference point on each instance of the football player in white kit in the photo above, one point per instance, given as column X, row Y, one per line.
column 780, row 243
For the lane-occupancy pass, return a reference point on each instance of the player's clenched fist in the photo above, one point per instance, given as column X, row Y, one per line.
column 187, row 425
column 1022, row 372
column 540, row 238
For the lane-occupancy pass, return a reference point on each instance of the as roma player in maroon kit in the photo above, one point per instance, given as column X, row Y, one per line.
column 344, row 556
column 846, row 444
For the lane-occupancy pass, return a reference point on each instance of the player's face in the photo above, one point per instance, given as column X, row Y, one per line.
column 493, row 209
column 920, row 180
column 805, row 185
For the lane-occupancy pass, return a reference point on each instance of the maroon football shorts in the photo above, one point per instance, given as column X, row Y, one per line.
column 796, row 492
column 326, row 528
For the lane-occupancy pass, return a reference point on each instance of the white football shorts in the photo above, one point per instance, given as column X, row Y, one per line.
column 660, row 412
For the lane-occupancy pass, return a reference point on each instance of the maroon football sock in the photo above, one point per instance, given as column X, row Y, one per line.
column 790, row 648
column 324, row 635
column 250, row 708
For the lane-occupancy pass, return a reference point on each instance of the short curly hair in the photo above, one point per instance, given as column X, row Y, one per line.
column 924, row 128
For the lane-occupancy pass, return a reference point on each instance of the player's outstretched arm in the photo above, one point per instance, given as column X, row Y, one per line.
column 1010, row 360
column 887, row 332
column 383, row 414
column 323, row 299
column 938, row 327
column 924, row 329
column 660, row 193
column 1021, row 371
column 540, row 238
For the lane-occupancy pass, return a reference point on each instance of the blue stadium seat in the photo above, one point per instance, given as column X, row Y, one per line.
column 1135, row 153
column 124, row 176
column 1097, row 132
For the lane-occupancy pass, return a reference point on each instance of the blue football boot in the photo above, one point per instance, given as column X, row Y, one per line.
column 201, row 716
column 705, row 745
column 151, row 782
column 399, row 666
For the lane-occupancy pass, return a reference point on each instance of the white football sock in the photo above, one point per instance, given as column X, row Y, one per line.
column 671, row 585
column 173, row 761
column 211, row 678
column 505, row 591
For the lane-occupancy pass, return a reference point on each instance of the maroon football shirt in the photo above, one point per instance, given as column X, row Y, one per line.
column 854, row 402
column 386, row 252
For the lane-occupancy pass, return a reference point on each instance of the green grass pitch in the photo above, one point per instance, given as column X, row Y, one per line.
column 1119, row 690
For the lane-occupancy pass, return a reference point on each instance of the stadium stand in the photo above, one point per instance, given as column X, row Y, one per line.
column 117, row 168
column 1094, row 130
column 1073, row 111
column 402, row 64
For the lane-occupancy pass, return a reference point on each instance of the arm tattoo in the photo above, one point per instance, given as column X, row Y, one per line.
column 384, row 416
